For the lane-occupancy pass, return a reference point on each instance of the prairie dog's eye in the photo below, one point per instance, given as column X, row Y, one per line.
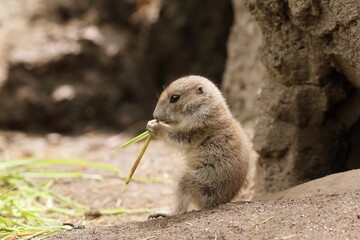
column 174, row 98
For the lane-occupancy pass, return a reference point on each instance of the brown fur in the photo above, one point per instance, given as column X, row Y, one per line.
column 215, row 148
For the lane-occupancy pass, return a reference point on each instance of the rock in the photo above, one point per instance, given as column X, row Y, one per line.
column 312, row 56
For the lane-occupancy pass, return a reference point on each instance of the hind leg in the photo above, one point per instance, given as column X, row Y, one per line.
column 196, row 187
column 182, row 206
column 183, row 199
column 207, row 189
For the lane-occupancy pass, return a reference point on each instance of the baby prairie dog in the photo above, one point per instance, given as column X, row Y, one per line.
column 192, row 116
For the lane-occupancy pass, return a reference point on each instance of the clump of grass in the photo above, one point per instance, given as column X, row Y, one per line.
column 30, row 209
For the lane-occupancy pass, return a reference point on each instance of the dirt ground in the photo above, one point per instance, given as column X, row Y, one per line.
column 319, row 217
column 327, row 208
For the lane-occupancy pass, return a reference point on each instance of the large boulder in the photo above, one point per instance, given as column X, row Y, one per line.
column 310, row 101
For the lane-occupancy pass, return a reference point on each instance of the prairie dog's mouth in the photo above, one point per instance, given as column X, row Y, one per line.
column 166, row 122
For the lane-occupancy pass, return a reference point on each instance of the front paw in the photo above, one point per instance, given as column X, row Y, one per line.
column 152, row 125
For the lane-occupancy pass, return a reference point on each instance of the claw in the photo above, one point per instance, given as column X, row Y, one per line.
column 157, row 215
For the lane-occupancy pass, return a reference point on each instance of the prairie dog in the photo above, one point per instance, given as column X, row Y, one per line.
column 192, row 116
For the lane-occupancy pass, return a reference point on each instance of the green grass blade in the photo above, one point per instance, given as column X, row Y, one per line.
column 6, row 192
column 32, row 163
column 148, row 180
column 55, row 175
column 134, row 140
column 137, row 161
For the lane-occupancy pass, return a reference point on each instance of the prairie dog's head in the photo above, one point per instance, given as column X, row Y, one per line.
column 190, row 101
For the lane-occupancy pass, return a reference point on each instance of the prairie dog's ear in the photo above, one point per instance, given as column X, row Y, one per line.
column 200, row 90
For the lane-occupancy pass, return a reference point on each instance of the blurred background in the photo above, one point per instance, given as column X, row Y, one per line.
column 72, row 66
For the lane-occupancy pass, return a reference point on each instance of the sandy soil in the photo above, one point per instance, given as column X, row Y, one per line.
column 327, row 208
